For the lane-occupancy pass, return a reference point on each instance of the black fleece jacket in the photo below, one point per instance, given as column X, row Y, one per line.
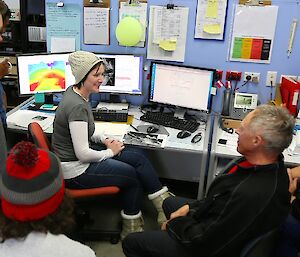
column 238, row 207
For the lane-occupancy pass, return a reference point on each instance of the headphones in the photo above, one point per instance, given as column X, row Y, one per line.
column 221, row 123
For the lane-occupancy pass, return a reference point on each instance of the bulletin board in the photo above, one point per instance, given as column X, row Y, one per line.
column 253, row 33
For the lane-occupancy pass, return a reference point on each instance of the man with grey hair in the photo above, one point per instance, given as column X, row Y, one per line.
column 248, row 199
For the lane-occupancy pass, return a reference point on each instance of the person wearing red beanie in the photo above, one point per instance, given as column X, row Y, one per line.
column 35, row 212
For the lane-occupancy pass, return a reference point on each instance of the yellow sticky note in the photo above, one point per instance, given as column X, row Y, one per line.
column 168, row 45
column 212, row 9
column 212, row 28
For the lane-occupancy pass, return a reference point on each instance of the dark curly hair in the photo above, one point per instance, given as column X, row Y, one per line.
column 59, row 222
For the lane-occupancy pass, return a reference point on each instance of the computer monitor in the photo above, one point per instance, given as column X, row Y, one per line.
column 44, row 73
column 181, row 86
column 124, row 74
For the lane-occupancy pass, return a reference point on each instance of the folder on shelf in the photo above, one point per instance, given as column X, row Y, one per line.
column 290, row 94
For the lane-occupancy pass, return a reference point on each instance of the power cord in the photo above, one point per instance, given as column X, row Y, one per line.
column 271, row 90
column 248, row 78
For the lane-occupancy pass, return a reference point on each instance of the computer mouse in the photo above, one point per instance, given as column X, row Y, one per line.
column 152, row 129
column 184, row 134
column 197, row 138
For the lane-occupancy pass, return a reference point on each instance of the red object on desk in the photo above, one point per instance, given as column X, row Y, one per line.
column 289, row 90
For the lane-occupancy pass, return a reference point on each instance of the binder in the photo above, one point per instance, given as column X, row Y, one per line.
column 290, row 94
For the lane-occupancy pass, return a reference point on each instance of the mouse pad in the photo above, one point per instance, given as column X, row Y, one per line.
column 161, row 129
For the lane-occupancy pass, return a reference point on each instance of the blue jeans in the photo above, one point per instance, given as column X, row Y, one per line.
column 131, row 171
column 289, row 244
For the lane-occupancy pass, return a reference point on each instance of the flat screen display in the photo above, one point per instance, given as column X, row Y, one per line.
column 182, row 86
column 44, row 73
column 124, row 74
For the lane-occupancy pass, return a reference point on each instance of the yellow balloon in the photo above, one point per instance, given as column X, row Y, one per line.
column 129, row 31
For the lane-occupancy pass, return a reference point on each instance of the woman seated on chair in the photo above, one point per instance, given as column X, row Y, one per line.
column 289, row 244
column 84, row 167
column 35, row 212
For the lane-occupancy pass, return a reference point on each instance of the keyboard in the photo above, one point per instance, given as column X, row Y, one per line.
column 111, row 116
column 168, row 120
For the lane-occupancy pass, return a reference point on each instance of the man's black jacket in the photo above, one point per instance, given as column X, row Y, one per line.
column 238, row 207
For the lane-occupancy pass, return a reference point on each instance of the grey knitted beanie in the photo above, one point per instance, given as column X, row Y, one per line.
column 81, row 63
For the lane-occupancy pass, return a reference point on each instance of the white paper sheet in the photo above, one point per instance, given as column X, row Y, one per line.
column 253, row 23
column 62, row 45
column 111, row 129
column 22, row 118
column 167, row 24
column 203, row 20
column 96, row 25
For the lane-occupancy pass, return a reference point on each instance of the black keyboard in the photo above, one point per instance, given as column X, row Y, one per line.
column 168, row 120
column 111, row 116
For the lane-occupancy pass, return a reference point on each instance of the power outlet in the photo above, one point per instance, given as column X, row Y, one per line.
column 233, row 75
column 254, row 76
column 271, row 78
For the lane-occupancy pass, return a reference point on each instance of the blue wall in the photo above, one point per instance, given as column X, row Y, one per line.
column 213, row 53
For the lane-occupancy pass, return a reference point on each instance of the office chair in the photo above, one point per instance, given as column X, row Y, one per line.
column 40, row 139
column 261, row 246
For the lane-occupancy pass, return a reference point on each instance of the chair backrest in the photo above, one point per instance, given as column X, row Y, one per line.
column 3, row 147
column 38, row 136
column 261, row 246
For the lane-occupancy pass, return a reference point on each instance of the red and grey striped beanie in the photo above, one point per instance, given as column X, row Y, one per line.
column 32, row 186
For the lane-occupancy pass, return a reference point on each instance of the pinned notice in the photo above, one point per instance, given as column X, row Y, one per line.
column 212, row 28
column 212, row 9
column 168, row 45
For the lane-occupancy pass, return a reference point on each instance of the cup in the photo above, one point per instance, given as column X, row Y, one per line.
column 9, row 63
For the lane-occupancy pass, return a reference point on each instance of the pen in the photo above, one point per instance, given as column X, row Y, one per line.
column 134, row 127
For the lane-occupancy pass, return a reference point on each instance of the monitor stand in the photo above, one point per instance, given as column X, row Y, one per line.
column 114, row 98
column 179, row 113
column 49, row 98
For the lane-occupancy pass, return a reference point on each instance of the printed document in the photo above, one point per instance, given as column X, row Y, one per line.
column 22, row 118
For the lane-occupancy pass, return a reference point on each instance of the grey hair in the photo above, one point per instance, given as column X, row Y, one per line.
column 275, row 125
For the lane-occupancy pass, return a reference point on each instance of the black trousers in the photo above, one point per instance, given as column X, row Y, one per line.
column 157, row 243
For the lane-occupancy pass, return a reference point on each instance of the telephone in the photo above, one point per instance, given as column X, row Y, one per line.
column 238, row 105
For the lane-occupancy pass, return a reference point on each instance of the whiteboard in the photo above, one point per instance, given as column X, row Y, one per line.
column 253, row 33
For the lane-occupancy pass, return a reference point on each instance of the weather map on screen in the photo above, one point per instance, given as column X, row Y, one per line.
column 44, row 73
column 47, row 76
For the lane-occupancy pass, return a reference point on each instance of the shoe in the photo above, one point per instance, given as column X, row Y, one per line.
column 131, row 223
column 157, row 199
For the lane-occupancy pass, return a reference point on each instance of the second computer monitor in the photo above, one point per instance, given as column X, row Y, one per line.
column 124, row 74
column 181, row 86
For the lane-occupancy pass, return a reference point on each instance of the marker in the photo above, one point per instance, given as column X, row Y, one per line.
column 134, row 127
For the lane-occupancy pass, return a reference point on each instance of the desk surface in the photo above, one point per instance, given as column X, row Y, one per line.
column 229, row 149
column 172, row 142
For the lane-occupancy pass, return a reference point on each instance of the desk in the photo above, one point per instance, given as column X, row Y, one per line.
column 221, row 155
column 179, row 159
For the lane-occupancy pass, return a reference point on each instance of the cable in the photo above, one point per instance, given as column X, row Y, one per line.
column 271, row 90
column 246, row 82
